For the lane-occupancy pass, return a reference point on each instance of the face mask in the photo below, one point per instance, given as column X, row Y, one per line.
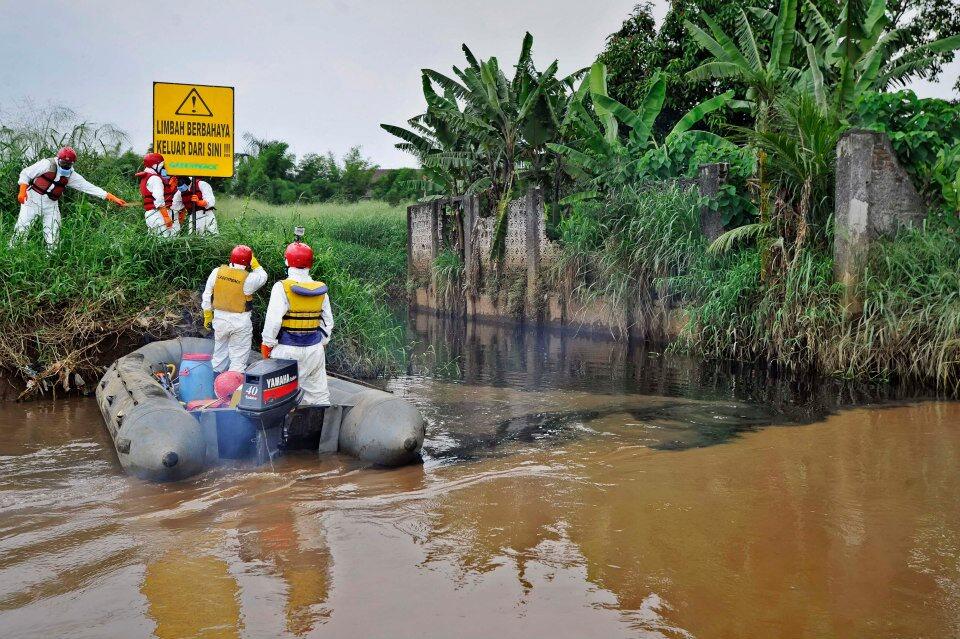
column 62, row 172
column 163, row 172
column 183, row 188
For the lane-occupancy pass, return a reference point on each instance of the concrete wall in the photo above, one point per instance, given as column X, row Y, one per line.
column 874, row 198
column 521, row 289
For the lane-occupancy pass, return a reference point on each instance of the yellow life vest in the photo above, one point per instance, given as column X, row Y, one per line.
column 228, row 292
column 306, row 307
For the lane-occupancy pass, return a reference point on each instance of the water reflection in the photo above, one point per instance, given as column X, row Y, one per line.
column 536, row 360
column 191, row 595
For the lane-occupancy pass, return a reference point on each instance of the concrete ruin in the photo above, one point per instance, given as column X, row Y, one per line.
column 525, row 286
column 874, row 198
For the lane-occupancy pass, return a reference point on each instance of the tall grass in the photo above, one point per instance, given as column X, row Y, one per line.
column 448, row 275
column 110, row 282
column 909, row 330
column 369, row 238
column 627, row 248
column 642, row 250
column 367, row 223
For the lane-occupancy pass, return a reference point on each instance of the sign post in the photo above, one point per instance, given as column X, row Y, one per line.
column 193, row 128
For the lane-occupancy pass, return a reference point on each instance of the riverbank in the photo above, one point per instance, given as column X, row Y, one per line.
column 637, row 263
column 109, row 284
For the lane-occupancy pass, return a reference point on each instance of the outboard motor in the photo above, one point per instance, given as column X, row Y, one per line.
column 302, row 428
column 271, row 389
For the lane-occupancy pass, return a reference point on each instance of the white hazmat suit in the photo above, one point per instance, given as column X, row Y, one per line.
column 232, row 332
column 155, row 222
column 311, row 360
column 40, row 205
column 206, row 218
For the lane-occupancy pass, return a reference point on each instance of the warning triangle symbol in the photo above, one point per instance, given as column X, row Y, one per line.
column 193, row 104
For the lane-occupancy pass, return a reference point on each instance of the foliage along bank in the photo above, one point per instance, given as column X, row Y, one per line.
column 778, row 85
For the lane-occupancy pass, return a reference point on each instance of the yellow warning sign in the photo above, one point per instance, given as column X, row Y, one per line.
column 193, row 128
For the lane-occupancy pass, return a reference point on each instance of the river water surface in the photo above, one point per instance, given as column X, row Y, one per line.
column 570, row 488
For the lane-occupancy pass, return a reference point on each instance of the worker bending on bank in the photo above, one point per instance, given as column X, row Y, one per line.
column 194, row 197
column 41, row 186
column 299, row 323
column 226, row 302
column 157, row 188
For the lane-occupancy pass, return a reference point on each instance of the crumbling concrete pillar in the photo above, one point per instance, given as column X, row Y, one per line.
column 709, row 180
column 533, row 207
column 874, row 198
column 421, row 251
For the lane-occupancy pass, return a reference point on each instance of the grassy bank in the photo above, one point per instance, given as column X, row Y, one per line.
column 368, row 238
column 643, row 247
column 111, row 283
column 909, row 330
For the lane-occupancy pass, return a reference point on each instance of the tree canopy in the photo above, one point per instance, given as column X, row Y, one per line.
column 638, row 50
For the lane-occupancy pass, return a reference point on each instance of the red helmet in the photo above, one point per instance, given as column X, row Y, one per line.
column 241, row 254
column 151, row 160
column 68, row 154
column 299, row 255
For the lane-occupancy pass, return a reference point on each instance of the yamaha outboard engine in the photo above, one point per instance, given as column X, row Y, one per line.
column 271, row 389
column 270, row 395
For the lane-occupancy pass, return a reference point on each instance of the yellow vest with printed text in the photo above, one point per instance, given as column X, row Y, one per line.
column 228, row 292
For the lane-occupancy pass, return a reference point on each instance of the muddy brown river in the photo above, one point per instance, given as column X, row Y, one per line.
column 570, row 488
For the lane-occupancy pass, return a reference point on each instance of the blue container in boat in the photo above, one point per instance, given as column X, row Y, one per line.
column 196, row 377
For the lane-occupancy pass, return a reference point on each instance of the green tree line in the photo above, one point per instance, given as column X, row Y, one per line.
column 269, row 171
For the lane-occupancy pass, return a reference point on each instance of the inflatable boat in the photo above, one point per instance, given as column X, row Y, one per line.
column 161, row 438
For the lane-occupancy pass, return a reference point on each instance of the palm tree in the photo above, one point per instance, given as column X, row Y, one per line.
column 862, row 53
column 741, row 61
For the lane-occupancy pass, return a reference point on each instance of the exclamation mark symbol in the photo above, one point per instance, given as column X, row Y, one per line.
column 193, row 100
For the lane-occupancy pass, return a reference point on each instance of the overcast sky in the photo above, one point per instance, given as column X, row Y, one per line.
column 321, row 75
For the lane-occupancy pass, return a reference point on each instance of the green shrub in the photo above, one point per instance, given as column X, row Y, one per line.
column 925, row 134
column 683, row 159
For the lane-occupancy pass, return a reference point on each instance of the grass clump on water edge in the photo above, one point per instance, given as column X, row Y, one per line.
column 909, row 329
column 640, row 250
column 625, row 249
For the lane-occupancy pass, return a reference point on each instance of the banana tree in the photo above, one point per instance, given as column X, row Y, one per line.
column 447, row 159
column 507, row 121
column 599, row 156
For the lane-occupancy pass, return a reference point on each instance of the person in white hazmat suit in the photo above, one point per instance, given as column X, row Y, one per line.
column 41, row 186
column 194, row 204
column 299, row 324
column 157, row 188
column 227, row 300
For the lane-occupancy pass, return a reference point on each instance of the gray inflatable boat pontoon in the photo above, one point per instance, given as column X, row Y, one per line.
column 157, row 438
